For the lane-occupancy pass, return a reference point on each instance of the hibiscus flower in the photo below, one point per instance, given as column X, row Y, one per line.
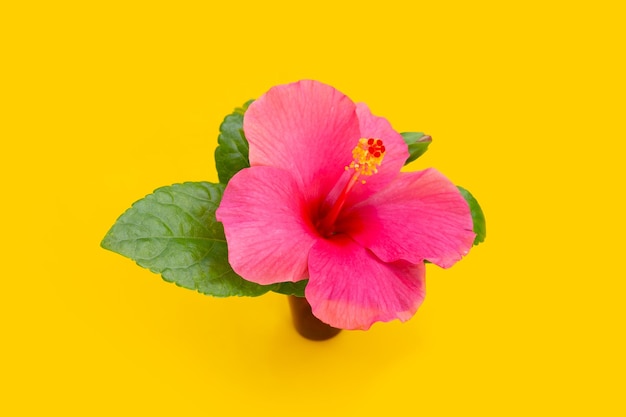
column 324, row 200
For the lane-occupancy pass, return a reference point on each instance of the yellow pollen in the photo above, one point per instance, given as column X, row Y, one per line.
column 368, row 155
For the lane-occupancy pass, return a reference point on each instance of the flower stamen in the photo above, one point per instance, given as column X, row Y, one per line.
column 367, row 157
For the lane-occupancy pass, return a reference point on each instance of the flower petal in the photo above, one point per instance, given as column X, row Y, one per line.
column 420, row 215
column 307, row 128
column 266, row 226
column 349, row 288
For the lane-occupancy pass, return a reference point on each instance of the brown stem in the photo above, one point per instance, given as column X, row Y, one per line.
column 306, row 323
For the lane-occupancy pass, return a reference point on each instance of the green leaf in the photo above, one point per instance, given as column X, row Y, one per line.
column 292, row 288
column 231, row 155
column 173, row 232
column 478, row 217
column 417, row 143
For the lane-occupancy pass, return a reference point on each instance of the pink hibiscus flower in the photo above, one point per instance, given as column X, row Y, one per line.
column 324, row 199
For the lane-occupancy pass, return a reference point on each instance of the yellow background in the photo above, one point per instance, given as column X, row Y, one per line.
column 103, row 102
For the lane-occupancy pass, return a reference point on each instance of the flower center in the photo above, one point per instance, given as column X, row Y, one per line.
column 366, row 158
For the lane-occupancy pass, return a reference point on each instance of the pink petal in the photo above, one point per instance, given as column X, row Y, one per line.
column 349, row 288
column 307, row 128
column 266, row 225
column 420, row 215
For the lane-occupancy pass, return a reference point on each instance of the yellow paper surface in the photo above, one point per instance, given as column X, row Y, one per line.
column 104, row 102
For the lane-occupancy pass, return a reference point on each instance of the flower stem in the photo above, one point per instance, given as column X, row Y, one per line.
column 309, row 326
